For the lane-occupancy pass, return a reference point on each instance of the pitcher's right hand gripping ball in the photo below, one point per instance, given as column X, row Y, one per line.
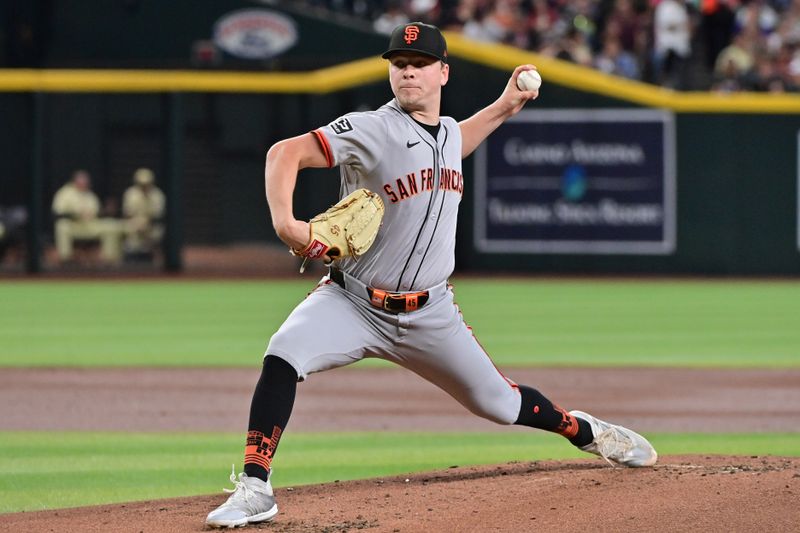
column 346, row 229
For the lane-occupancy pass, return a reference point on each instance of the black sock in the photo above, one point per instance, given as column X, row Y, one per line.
column 536, row 411
column 584, row 436
column 270, row 409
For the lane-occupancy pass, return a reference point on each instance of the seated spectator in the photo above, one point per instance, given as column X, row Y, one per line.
column 757, row 15
column 572, row 47
column 736, row 59
column 543, row 21
column 76, row 209
column 391, row 18
column 767, row 76
column 612, row 59
column 143, row 208
column 13, row 220
column 481, row 27
column 625, row 23
column 672, row 47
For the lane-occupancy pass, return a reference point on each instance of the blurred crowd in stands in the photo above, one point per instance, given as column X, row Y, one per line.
column 721, row 45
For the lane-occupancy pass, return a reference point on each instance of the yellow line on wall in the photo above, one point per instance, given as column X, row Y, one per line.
column 372, row 70
column 324, row 80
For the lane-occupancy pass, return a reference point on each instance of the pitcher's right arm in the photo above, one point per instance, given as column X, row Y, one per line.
column 284, row 160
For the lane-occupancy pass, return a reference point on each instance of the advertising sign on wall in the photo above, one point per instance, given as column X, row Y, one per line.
column 577, row 182
column 255, row 33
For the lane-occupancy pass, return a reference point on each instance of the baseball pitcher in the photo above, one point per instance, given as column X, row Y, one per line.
column 390, row 247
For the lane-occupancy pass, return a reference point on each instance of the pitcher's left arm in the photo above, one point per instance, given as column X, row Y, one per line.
column 480, row 125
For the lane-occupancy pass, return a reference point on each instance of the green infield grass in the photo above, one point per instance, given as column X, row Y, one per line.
column 43, row 470
column 519, row 322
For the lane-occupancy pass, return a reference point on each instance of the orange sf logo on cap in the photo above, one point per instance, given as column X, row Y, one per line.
column 411, row 34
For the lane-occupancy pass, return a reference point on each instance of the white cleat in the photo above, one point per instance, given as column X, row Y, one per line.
column 617, row 444
column 250, row 501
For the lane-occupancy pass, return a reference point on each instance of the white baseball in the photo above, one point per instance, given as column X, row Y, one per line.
column 529, row 80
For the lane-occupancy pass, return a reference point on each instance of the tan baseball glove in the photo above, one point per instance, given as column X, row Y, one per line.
column 346, row 229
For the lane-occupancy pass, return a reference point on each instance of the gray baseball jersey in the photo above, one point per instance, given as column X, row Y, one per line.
column 420, row 181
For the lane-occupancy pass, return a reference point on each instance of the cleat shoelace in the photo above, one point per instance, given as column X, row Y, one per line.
column 613, row 444
column 240, row 490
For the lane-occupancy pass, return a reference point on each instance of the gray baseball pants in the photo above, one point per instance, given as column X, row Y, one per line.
column 334, row 327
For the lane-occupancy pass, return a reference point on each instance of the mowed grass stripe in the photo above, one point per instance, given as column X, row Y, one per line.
column 693, row 323
column 41, row 470
column 520, row 322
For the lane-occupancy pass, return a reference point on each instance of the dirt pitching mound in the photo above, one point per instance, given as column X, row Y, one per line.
column 682, row 493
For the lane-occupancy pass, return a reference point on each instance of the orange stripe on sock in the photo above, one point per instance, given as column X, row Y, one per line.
column 259, row 449
column 568, row 426
column 258, row 460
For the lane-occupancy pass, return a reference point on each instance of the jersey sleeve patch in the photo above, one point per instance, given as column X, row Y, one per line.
column 356, row 139
column 326, row 147
column 341, row 126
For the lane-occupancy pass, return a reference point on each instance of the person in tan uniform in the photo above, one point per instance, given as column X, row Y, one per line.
column 143, row 207
column 76, row 209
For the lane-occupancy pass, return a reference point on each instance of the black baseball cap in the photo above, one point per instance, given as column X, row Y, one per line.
column 418, row 37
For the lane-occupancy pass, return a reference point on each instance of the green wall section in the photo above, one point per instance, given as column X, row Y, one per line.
column 737, row 193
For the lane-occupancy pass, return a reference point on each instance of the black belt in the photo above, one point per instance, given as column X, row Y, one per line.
column 393, row 302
